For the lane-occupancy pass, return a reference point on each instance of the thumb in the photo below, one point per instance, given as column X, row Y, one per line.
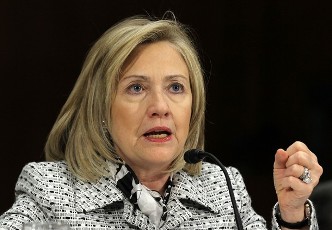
column 280, row 159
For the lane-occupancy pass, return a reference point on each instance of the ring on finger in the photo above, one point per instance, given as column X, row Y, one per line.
column 306, row 176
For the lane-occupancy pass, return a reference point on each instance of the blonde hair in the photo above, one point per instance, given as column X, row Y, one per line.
column 80, row 133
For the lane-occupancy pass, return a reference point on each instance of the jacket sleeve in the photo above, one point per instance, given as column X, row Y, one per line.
column 313, row 218
column 250, row 219
column 29, row 192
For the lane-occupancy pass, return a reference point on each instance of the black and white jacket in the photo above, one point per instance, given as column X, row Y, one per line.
column 48, row 191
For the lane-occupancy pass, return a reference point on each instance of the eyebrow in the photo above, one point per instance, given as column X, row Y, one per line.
column 146, row 78
column 170, row 77
column 142, row 77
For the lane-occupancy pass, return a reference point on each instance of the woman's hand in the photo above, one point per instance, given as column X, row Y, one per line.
column 292, row 192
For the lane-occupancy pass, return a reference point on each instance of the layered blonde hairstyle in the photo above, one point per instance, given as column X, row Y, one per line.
column 80, row 134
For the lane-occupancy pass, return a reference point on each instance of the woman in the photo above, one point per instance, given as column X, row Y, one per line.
column 115, row 153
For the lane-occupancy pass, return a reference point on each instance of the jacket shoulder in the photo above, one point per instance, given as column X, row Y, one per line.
column 43, row 174
column 210, row 171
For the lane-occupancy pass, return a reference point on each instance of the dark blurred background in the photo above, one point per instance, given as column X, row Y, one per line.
column 268, row 68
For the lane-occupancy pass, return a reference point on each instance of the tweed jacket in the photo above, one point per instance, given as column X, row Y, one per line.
column 48, row 191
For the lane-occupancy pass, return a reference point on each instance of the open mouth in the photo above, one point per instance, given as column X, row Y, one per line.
column 157, row 134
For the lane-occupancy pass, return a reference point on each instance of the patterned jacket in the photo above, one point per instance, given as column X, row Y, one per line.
column 48, row 191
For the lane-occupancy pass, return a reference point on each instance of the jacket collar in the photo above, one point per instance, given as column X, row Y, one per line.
column 91, row 196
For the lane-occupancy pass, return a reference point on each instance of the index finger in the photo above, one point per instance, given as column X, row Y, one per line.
column 297, row 146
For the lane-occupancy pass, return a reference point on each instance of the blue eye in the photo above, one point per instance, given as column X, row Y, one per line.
column 135, row 88
column 177, row 88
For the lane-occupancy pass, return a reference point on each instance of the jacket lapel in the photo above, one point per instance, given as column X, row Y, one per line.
column 193, row 188
column 186, row 188
column 90, row 196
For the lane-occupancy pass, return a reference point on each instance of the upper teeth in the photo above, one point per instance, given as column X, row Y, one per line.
column 161, row 135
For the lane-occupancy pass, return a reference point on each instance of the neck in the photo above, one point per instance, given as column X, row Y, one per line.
column 153, row 180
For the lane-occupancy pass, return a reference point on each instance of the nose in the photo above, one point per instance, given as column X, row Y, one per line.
column 158, row 105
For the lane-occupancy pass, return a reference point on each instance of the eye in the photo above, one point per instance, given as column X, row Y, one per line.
column 135, row 88
column 177, row 87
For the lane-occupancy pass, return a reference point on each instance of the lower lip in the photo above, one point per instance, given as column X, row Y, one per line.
column 160, row 140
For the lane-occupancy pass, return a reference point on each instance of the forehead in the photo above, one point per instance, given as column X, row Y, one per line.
column 155, row 58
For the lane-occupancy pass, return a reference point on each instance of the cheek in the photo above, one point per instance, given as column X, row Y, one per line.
column 124, row 120
column 187, row 122
column 183, row 122
column 118, row 116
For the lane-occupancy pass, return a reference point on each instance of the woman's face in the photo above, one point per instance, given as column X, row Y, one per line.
column 152, row 108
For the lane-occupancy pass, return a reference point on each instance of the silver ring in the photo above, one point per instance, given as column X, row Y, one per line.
column 306, row 177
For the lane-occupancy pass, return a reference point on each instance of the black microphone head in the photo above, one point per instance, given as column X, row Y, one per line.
column 193, row 156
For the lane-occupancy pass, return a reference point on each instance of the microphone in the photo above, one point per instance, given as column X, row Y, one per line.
column 194, row 156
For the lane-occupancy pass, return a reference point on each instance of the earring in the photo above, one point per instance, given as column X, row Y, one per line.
column 110, row 142
column 106, row 132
